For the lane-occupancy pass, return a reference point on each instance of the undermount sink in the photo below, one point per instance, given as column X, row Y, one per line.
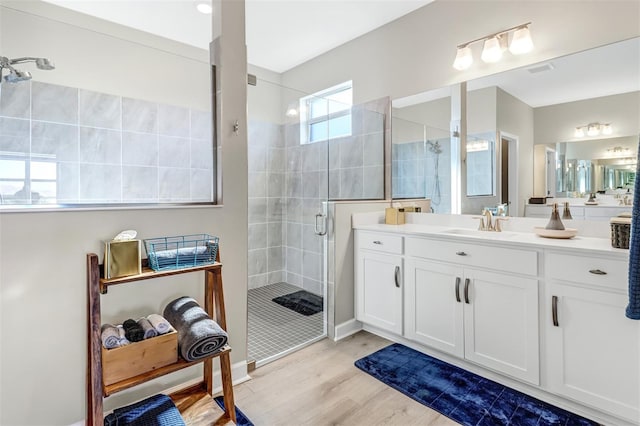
column 493, row 235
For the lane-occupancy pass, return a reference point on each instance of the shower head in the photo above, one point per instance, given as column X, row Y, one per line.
column 16, row 76
column 434, row 147
column 45, row 64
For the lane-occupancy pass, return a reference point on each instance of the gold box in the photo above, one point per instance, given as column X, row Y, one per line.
column 139, row 357
column 394, row 216
column 122, row 258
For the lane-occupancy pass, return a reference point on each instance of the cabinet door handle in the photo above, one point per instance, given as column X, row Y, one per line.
column 458, row 289
column 467, row 281
column 396, row 276
column 461, row 253
column 597, row 272
column 554, row 311
column 377, row 242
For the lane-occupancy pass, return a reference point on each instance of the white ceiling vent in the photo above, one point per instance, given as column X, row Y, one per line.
column 541, row 68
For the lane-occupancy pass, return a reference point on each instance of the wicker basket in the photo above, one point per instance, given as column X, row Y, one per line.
column 185, row 251
column 620, row 232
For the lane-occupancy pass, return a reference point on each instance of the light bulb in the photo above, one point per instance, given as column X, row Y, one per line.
column 521, row 42
column 607, row 129
column 464, row 59
column 492, row 51
column 204, row 7
column 579, row 133
column 593, row 130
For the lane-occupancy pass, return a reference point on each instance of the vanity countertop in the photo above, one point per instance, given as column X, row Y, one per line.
column 592, row 245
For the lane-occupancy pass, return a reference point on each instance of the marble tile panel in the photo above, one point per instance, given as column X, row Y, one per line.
column 173, row 152
column 310, row 184
column 351, row 152
column 257, row 210
column 100, row 146
column 201, row 125
column 373, row 182
column 310, row 240
column 257, row 281
column 173, row 121
column 99, row 110
column 201, row 154
column 58, row 140
column 275, row 184
column 275, row 209
column 275, row 259
column 15, row 100
column 274, row 234
column 68, row 182
column 201, row 185
column 294, row 210
column 173, row 184
column 14, row 135
column 294, row 159
column 373, row 150
column 50, row 102
column 139, row 184
column 257, row 184
column 100, row 183
column 312, row 286
column 276, row 277
column 293, row 278
column 294, row 235
column 351, row 183
column 276, row 160
column 139, row 116
column 139, row 149
column 293, row 185
column 294, row 262
column 312, row 265
column 258, row 235
column 257, row 262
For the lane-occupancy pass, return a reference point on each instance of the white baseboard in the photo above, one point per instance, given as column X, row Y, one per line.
column 239, row 373
column 346, row 329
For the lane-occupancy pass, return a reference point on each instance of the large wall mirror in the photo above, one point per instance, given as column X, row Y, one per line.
column 125, row 117
column 527, row 122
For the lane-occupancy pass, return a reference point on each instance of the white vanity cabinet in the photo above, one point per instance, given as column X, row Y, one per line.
column 378, row 270
column 593, row 350
column 474, row 301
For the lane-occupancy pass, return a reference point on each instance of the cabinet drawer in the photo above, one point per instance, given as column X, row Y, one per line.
column 380, row 242
column 503, row 259
column 587, row 270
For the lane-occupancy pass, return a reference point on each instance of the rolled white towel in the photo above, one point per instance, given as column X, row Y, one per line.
column 158, row 322
column 110, row 336
column 123, row 336
column 149, row 329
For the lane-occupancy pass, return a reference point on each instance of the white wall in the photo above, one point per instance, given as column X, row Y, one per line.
column 557, row 123
column 42, row 254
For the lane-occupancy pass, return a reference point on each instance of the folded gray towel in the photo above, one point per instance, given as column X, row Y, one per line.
column 148, row 328
column 158, row 322
column 110, row 336
column 198, row 335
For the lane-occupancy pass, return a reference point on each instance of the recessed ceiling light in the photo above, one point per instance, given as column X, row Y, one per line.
column 204, row 7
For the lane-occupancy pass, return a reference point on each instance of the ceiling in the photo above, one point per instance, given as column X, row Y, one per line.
column 280, row 34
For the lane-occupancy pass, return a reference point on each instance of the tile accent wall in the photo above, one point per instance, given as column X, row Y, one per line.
column 288, row 182
column 106, row 148
column 414, row 173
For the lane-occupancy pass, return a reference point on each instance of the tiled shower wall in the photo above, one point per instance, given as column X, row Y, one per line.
column 106, row 148
column 414, row 173
column 288, row 183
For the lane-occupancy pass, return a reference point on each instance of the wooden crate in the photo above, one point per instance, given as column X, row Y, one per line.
column 140, row 357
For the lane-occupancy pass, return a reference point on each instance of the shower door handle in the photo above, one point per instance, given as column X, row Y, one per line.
column 322, row 229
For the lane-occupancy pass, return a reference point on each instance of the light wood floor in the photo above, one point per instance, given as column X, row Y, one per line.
column 319, row 385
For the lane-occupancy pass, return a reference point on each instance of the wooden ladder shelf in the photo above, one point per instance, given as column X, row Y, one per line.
column 214, row 306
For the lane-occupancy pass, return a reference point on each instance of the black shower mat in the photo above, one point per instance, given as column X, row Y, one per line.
column 302, row 302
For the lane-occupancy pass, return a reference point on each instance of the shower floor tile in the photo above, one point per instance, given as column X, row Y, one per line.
column 274, row 329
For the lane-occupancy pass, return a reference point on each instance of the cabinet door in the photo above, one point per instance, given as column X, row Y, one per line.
column 433, row 313
column 379, row 290
column 501, row 323
column 593, row 353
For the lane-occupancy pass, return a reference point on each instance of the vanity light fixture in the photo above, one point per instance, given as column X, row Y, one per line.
column 494, row 45
column 593, row 129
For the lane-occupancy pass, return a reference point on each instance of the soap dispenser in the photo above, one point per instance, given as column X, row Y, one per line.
column 566, row 213
column 555, row 222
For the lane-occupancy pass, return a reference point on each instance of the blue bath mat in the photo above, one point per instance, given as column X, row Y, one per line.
column 241, row 419
column 302, row 302
column 462, row 396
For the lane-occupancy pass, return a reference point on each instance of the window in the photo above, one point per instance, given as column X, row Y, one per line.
column 326, row 114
